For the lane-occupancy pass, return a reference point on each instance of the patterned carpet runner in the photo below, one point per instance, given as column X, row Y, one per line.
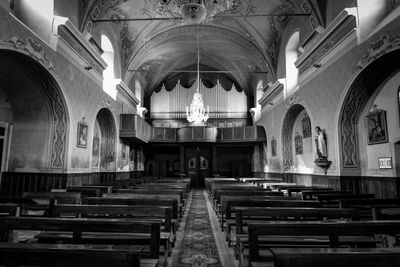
column 198, row 244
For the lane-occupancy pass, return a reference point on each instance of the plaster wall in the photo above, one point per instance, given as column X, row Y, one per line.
column 69, row 9
column 5, row 108
column 81, row 89
column 322, row 96
column 387, row 100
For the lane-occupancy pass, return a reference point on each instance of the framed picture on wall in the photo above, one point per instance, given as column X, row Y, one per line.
column 377, row 127
column 385, row 163
column 82, row 135
column 273, row 147
column 298, row 143
column 306, row 125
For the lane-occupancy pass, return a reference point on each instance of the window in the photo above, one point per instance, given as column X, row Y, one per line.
column 109, row 81
column 291, row 53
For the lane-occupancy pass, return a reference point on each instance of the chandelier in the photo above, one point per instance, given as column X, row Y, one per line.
column 197, row 114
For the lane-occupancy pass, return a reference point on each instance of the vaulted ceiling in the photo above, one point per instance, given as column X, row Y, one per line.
column 238, row 39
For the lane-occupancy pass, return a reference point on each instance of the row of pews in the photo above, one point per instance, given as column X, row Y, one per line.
column 127, row 224
column 272, row 223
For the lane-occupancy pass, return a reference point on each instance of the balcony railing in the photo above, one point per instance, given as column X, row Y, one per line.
column 134, row 127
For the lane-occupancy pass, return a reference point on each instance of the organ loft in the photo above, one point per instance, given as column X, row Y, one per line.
column 220, row 133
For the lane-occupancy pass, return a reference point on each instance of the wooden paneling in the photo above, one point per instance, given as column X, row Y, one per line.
column 15, row 183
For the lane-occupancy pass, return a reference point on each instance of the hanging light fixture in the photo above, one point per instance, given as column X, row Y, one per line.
column 197, row 113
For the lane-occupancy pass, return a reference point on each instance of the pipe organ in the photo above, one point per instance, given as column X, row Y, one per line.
column 222, row 104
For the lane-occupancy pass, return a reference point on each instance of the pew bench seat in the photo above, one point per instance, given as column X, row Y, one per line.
column 112, row 238
column 333, row 257
column 62, row 255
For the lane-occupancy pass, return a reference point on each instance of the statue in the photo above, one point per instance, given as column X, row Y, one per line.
column 320, row 141
column 322, row 152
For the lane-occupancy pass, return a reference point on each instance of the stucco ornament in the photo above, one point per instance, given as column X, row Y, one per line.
column 378, row 48
column 33, row 49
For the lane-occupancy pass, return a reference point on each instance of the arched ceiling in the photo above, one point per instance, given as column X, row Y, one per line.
column 237, row 40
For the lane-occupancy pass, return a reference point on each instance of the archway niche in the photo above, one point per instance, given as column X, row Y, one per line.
column 107, row 134
column 364, row 86
column 291, row 122
column 33, row 107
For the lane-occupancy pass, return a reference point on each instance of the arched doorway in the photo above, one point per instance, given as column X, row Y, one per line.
column 33, row 120
column 105, row 135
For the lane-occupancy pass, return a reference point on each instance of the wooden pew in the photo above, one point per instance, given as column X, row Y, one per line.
column 150, row 191
column 263, row 235
column 298, row 189
column 312, row 194
column 63, row 255
column 245, row 215
column 150, row 197
column 334, row 257
column 228, row 204
column 368, row 206
column 114, row 211
column 172, row 203
column 91, row 230
column 239, row 191
column 333, row 200
column 9, row 209
column 42, row 201
column 85, row 191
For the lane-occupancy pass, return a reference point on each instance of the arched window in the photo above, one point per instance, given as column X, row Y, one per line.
column 109, row 81
column 291, row 53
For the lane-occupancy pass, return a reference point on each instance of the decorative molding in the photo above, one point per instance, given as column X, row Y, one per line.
column 365, row 83
column 81, row 46
column 33, row 49
column 58, row 114
column 293, row 100
column 270, row 92
column 106, row 103
column 124, row 89
column 381, row 46
column 326, row 43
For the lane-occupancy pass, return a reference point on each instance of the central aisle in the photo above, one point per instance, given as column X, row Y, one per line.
column 198, row 247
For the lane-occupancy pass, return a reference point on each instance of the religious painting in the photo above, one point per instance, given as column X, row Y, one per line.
column 96, row 145
column 82, row 135
column 377, row 127
column 273, row 147
column 298, row 144
column 306, row 125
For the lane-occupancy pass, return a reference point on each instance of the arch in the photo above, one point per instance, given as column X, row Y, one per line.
column 291, row 55
column 47, row 112
column 107, row 157
column 287, row 135
column 360, row 90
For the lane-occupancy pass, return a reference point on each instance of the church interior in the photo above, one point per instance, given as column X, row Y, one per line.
column 183, row 133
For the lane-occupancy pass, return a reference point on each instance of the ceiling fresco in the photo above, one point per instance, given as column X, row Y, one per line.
column 157, row 39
